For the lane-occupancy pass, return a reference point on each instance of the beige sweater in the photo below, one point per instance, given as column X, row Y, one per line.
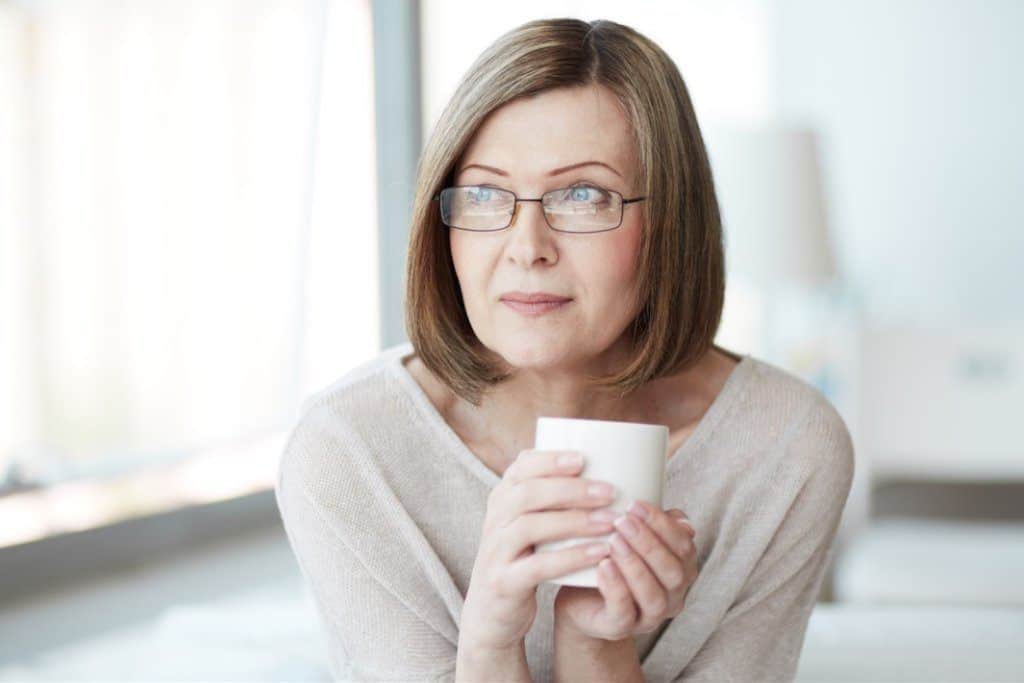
column 383, row 506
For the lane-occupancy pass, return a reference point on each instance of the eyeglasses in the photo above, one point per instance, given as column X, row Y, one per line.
column 581, row 208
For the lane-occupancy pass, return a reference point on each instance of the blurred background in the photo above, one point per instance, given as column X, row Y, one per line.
column 203, row 219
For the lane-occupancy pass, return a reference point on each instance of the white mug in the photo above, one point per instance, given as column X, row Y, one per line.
column 629, row 455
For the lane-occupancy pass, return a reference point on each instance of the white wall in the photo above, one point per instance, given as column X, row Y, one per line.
column 919, row 105
column 720, row 46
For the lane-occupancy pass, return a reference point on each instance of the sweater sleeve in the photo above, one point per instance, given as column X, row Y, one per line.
column 762, row 633
column 370, row 633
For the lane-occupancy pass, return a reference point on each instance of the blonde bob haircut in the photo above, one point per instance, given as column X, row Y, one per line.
column 681, row 267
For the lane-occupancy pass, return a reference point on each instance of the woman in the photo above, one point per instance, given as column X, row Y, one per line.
column 568, row 166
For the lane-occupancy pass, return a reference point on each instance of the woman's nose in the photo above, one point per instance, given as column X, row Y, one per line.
column 534, row 216
column 531, row 236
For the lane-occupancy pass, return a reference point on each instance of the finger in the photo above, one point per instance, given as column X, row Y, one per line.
column 651, row 597
column 618, row 599
column 664, row 563
column 541, row 527
column 557, row 493
column 672, row 526
column 531, row 570
column 680, row 518
column 542, row 463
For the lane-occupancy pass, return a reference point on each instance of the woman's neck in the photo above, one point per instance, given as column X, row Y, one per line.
column 505, row 422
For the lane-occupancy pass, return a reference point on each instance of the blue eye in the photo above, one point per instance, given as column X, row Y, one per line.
column 586, row 193
column 580, row 193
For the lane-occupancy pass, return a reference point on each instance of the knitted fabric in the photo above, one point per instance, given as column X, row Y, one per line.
column 383, row 506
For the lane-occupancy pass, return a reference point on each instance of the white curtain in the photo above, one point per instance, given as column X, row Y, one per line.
column 166, row 254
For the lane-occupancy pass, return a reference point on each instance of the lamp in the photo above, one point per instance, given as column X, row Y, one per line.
column 769, row 187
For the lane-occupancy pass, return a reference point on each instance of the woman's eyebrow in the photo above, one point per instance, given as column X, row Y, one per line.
column 557, row 171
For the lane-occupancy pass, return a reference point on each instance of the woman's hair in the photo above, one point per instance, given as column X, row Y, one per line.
column 681, row 267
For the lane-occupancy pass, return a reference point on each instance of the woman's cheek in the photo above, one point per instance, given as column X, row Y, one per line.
column 621, row 271
column 624, row 253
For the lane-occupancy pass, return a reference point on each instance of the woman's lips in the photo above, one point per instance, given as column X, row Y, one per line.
column 535, row 309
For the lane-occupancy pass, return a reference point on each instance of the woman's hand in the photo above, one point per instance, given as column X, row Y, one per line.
column 641, row 587
column 537, row 500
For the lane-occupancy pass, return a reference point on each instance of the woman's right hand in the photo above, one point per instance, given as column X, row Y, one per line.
column 537, row 500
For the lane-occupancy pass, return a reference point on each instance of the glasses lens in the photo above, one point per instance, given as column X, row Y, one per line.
column 583, row 208
column 474, row 207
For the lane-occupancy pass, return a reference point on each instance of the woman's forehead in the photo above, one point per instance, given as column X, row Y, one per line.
column 536, row 135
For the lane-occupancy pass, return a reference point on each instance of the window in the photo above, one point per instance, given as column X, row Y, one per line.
column 187, row 233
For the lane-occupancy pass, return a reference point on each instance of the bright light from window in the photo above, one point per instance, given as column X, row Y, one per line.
column 187, row 233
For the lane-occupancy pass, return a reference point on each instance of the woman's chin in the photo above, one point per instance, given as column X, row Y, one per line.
column 536, row 355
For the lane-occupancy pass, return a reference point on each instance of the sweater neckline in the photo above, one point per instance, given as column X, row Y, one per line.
column 705, row 426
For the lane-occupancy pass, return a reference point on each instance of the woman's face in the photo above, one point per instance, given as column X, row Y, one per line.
column 522, row 143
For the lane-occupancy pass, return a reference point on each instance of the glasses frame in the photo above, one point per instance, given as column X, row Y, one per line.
column 517, row 199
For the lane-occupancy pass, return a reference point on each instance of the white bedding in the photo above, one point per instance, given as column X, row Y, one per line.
column 890, row 643
column 933, row 561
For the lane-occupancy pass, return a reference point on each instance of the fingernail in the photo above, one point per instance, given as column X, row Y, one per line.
column 685, row 523
column 626, row 526
column 569, row 460
column 640, row 510
column 620, row 546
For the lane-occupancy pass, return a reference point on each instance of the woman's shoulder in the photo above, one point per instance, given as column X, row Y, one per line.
column 806, row 427
column 781, row 438
column 343, row 429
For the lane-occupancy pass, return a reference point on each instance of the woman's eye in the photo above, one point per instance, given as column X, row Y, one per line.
column 582, row 193
column 585, row 193
column 480, row 194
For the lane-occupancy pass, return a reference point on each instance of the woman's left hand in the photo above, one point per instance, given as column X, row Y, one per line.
column 640, row 588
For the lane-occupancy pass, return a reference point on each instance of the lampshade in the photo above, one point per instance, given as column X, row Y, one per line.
column 769, row 188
